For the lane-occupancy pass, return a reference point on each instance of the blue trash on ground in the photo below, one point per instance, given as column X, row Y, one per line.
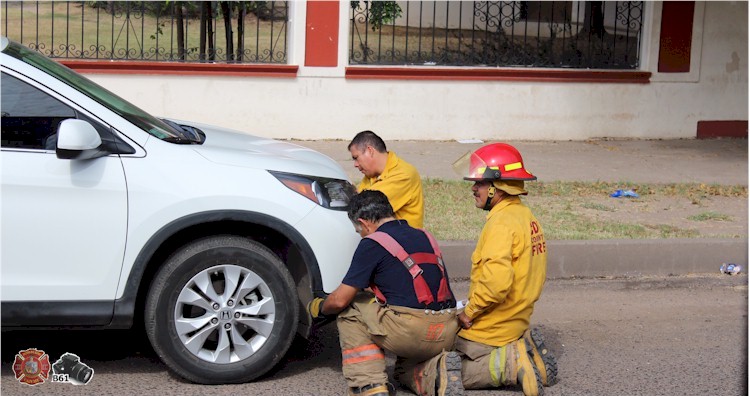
column 624, row 193
column 730, row 269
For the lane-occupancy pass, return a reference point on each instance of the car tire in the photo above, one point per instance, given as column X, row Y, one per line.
column 209, row 333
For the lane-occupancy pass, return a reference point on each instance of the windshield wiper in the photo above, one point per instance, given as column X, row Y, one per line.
column 180, row 140
column 187, row 134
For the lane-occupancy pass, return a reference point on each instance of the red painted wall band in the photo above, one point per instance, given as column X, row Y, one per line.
column 530, row 75
column 180, row 68
column 382, row 73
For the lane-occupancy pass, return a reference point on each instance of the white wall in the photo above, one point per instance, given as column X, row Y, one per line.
column 321, row 104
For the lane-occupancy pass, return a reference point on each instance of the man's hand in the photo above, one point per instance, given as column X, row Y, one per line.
column 464, row 320
column 315, row 307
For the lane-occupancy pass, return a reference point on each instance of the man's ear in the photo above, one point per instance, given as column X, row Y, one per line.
column 364, row 224
column 500, row 195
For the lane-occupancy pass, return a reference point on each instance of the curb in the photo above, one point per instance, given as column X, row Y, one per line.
column 619, row 257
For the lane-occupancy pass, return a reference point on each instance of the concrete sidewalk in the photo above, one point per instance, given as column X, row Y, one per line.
column 721, row 161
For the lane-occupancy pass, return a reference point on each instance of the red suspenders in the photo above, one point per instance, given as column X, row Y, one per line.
column 412, row 262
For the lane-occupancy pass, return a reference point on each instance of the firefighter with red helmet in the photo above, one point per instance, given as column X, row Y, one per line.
column 509, row 266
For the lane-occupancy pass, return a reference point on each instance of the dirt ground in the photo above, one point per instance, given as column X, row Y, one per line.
column 673, row 212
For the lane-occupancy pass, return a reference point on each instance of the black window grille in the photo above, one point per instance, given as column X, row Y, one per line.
column 541, row 34
column 185, row 31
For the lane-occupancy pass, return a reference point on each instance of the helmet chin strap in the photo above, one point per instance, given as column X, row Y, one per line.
column 490, row 195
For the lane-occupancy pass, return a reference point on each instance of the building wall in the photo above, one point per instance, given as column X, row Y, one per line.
column 321, row 103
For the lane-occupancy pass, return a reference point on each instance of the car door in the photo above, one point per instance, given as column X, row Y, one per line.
column 63, row 221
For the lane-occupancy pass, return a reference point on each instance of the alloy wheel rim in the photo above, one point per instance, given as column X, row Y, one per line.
column 224, row 314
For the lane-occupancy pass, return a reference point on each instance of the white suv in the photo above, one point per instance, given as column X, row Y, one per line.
column 212, row 239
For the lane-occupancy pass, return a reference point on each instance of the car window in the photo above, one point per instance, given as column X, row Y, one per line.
column 30, row 117
column 138, row 117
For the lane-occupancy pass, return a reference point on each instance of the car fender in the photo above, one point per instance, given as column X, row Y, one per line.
column 133, row 286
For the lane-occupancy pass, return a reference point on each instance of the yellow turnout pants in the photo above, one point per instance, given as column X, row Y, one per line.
column 484, row 366
column 415, row 336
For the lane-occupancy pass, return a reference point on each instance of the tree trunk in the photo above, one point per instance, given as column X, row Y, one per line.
column 180, row 30
column 593, row 21
column 227, row 13
column 203, row 27
column 241, row 12
column 210, row 30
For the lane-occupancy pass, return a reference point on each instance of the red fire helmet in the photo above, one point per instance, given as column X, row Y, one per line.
column 496, row 161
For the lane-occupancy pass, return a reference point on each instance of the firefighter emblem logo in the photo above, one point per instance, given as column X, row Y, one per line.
column 31, row 366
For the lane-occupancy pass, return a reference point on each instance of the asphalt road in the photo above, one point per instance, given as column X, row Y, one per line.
column 681, row 335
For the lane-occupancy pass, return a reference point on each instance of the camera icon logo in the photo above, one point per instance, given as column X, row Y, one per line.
column 69, row 368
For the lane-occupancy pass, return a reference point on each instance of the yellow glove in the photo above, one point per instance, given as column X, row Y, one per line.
column 315, row 307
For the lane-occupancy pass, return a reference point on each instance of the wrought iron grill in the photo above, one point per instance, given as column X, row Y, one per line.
column 543, row 34
column 185, row 31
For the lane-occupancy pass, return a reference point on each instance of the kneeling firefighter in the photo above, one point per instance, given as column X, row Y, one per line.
column 508, row 271
column 411, row 314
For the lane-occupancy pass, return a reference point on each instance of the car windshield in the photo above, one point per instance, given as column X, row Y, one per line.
column 140, row 118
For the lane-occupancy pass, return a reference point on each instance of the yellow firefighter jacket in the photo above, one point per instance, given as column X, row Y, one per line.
column 508, row 270
column 400, row 182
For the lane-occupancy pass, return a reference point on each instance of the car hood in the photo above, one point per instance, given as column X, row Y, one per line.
column 230, row 147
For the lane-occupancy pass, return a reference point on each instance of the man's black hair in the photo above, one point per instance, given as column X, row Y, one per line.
column 371, row 205
column 368, row 138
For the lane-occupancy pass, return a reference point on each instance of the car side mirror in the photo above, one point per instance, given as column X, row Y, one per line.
column 78, row 140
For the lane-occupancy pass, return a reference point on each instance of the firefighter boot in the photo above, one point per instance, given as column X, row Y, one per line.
column 370, row 390
column 541, row 356
column 448, row 381
column 527, row 374
column 437, row 376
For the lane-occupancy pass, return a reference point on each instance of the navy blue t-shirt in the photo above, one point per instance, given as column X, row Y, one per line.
column 372, row 263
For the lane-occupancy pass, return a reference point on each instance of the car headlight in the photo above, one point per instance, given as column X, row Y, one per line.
column 328, row 193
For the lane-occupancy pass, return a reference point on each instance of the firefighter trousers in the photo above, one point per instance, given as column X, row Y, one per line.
column 417, row 337
column 485, row 366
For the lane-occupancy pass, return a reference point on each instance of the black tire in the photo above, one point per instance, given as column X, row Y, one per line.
column 223, row 335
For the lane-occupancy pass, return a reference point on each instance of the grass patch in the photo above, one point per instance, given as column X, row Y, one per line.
column 596, row 206
column 450, row 213
column 560, row 206
column 710, row 216
column 584, row 189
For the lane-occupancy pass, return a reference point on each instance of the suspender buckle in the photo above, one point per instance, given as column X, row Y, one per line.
column 409, row 262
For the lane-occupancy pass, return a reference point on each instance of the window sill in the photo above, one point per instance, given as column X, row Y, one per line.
column 526, row 75
column 180, row 68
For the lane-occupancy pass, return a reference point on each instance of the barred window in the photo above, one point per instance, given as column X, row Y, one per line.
column 185, row 31
column 559, row 34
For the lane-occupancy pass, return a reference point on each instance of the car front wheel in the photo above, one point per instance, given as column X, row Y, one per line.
column 222, row 310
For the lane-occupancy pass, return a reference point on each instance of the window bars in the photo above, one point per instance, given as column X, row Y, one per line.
column 185, row 31
column 542, row 34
